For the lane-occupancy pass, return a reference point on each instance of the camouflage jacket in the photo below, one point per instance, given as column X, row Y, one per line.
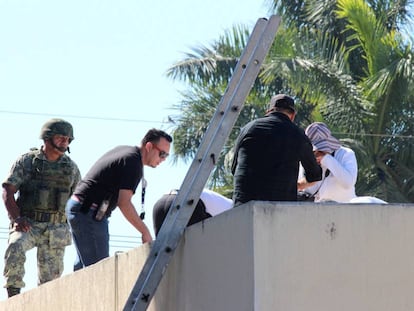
column 42, row 185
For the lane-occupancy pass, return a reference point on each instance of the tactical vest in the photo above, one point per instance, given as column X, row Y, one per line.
column 47, row 185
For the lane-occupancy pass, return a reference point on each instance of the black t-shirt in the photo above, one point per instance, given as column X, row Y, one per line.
column 119, row 168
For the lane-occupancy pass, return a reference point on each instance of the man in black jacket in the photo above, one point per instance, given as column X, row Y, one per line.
column 267, row 155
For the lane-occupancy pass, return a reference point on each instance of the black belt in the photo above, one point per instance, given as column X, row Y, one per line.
column 53, row 217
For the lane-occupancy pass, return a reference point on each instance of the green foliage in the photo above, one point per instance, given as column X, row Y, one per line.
column 346, row 62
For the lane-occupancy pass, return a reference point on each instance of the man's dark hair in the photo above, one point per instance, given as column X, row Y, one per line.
column 282, row 109
column 279, row 109
column 154, row 136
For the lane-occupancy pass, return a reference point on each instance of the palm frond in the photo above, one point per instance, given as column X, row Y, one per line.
column 215, row 64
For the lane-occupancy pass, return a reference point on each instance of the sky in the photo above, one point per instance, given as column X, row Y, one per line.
column 101, row 66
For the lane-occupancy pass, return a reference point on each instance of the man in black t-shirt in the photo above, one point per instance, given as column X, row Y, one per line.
column 111, row 182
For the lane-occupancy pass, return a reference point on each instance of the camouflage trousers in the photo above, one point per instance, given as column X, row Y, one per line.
column 50, row 240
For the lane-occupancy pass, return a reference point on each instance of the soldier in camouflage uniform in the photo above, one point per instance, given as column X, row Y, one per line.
column 45, row 179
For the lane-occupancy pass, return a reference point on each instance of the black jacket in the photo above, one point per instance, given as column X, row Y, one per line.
column 266, row 160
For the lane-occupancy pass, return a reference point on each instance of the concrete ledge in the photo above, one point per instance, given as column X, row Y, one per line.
column 103, row 286
column 261, row 256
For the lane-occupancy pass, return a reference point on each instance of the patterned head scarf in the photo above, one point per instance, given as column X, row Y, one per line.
column 321, row 138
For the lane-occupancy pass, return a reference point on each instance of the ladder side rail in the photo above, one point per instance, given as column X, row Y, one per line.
column 184, row 204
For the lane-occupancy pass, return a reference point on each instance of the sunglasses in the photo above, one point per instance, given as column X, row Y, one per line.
column 162, row 154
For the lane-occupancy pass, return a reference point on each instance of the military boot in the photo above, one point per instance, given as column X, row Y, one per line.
column 12, row 291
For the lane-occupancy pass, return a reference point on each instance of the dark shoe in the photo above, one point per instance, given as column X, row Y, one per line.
column 12, row 291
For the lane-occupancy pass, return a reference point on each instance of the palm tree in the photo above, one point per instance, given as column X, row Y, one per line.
column 346, row 62
column 388, row 86
column 208, row 70
column 379, row 69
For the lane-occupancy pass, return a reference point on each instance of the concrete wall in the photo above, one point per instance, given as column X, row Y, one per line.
column 261, row 256
column 104, row 286
column 334, row 257
column 213, row 268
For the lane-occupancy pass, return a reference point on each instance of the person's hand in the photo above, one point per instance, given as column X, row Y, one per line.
column 21, row 224
column 303, row 184
column 146, row 237
column 319, row 155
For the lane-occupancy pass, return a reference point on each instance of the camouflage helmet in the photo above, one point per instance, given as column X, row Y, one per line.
column 56, row 127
